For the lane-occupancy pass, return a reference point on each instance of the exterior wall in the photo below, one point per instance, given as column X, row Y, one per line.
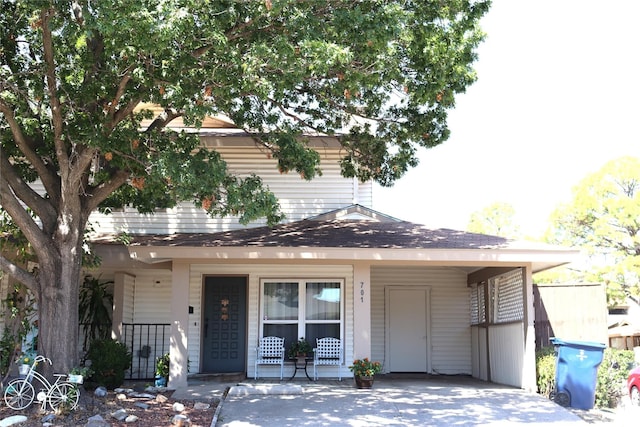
column 479, row 353
column 298, row 198
column 152, row 297
column 254, row 273
column 506, row 353
column 449, row 313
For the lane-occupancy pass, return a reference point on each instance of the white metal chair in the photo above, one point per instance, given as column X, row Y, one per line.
column 270, row 351
column 328, row 352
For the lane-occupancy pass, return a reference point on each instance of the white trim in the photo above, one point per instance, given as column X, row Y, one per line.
column 301, row 320
column 538, row 259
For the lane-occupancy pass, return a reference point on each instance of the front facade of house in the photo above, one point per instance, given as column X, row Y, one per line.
column 417, row 300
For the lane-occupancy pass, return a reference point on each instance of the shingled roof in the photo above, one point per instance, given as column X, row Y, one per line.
column 339, row 233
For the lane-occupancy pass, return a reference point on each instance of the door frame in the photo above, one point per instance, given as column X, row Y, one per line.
column 387, row 318
column 202, row 317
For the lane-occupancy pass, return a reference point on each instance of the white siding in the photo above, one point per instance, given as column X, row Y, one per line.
column 152, row 298
column 298, row 198
column 254, row 274
column 479, row 352
column 449, row 313
column 506, row 353
column 129, row 301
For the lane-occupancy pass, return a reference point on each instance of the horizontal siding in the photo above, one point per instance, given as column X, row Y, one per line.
column 129, row 298
column 255, row 273
column 449, row 314
column 152, row 298
column 298, row 198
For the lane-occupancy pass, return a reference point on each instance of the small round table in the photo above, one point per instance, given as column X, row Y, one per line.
column 297, row 366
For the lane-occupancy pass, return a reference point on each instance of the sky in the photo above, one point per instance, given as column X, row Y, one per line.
column 557, row 97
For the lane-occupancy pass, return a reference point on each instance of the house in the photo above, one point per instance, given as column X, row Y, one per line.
column 418, row 300
column 624, row 326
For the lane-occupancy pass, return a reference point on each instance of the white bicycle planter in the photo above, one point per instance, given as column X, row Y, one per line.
column 20, row 393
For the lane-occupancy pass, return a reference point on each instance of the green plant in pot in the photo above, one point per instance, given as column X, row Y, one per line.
column 162, row 370
column 300, row 348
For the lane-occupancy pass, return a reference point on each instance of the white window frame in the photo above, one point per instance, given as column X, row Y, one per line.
column 302, row 322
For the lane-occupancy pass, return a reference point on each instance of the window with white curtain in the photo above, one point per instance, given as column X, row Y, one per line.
column 311, row 308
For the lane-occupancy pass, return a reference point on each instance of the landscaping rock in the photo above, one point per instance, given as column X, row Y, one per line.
column 120, row 414
column 178, row 407
column 181, row 421
column 14, row 419
column 100, row 392
column 131, row 419
column 97, row 421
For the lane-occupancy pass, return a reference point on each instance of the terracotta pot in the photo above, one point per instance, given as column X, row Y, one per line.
column 364, row 382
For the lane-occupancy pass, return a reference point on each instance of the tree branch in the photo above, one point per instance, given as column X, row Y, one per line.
column 120, row 115
column 24, row 192
column 119, row 92
column 54, row 101
column 18, row 273
column 25, row 145
column 101, row 192
column 21, row 217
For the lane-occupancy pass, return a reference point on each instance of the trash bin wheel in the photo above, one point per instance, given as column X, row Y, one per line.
column 562, row 398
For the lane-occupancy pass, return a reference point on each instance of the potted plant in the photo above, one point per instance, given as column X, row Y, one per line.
column 162, row 370
column 364, row 371
column 79, row 373
column 24, row 363
column 300, row 348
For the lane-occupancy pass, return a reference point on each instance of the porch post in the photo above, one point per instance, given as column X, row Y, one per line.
column 178, row 350
column 118, row 306
column 361, row 311
column 529, row 356
column 123, row 284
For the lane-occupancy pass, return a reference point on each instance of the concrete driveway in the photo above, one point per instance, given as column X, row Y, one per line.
column 439, row 401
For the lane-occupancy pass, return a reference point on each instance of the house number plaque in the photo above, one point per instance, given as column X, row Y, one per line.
column 361, row 291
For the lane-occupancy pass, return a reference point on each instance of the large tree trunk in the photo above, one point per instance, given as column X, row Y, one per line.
column 59, row 276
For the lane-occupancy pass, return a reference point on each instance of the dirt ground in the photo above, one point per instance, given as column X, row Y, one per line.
column 150, row 412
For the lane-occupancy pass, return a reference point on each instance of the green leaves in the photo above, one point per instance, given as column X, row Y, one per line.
column 378, row 75
column 604, row 219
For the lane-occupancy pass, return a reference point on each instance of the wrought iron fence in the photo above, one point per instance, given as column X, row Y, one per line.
column 146, row 342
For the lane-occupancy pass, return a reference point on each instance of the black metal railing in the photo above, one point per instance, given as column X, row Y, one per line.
column 146, row 342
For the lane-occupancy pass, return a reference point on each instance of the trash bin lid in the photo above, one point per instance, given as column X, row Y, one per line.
column 579, row 344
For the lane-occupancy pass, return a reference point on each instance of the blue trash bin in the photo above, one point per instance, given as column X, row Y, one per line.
column 576, row 372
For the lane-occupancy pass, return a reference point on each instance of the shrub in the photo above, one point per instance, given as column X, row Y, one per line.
column 109, row 361
column 546, row 370
column 612, row 377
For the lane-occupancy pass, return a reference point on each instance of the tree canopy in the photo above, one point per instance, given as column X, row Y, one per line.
column 604, row 219
column 496, row 219
column 75, row 77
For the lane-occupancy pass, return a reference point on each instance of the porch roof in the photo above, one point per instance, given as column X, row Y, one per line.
column 349, row 239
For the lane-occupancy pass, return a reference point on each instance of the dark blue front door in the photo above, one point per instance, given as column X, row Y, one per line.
column 224, row 324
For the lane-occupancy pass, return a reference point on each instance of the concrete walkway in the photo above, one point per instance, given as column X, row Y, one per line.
column 439, row 401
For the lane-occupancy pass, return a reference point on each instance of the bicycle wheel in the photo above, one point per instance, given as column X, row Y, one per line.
column 18, row 394
column 63, row 396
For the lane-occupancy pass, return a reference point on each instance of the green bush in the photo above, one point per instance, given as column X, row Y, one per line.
column 162, row 366
column 612, row 377
column 546, row 370
column 109, row 361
